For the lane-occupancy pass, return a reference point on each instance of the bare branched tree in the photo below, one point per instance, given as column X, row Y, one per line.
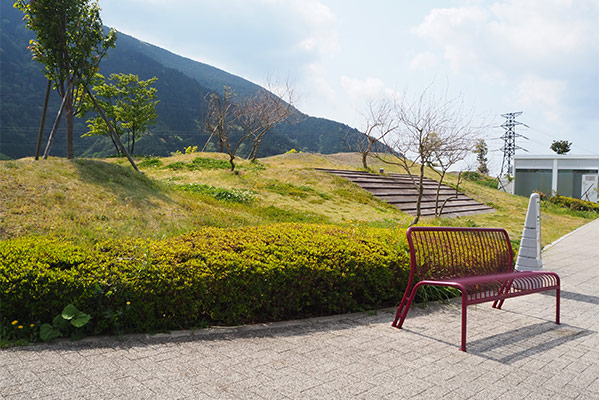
column 459, row 179
column 259, row 114
column 453, row 146
column 429, row 128
column 379, row 121
column 220, row 122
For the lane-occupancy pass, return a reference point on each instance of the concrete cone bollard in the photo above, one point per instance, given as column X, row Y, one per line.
column 530, row 251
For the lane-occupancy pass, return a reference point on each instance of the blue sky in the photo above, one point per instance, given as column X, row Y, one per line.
column 535, row 56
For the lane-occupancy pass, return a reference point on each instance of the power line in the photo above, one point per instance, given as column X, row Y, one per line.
column 509, row 138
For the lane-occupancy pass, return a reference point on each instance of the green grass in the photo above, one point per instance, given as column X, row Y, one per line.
column 199, row 163
column 149, row 163
column 233, row 195
column 92, row 200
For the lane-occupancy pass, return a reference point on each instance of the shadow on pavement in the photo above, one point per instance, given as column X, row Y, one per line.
column 574, row 296
column 516, row 344
column 293, row 328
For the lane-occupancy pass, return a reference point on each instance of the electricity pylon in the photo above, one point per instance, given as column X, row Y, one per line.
column 509, row 137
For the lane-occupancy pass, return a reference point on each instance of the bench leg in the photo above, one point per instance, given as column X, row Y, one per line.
column 557, row 306
column 404, row 307
column 400, row 309
column 463, row 330
column 505, row 288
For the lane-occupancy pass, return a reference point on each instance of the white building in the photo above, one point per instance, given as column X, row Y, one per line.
column 565, row 175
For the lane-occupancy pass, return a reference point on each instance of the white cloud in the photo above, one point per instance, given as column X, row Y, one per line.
column 423, row 61
column 453, row 28
column 543, row 28
column 442, row 24
column 545, row 94
column 511, row 35
column 322, row 35
column 319, row 84
column 369, row 88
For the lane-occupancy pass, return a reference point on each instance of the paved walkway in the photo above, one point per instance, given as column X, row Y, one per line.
column 515, row 353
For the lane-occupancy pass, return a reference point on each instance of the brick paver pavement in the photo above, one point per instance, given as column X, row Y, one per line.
column 514, row 353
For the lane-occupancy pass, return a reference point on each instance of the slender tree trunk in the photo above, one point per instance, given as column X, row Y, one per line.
column 420, row 196
column 231, row 162
column 458, row 181
column 43, row 122
column 437, row 195
column 252, row 155
column 53, row 133
column 207, row 142
column 114, row 144
column 55, row 128
column 364, row 160
column 69, row 119
column 111, row 130
column 69, row 128
column 132, row 142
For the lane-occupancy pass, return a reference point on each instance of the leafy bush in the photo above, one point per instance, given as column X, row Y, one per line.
column 149, row 162
column 208, row 163
column 233, row 195
column 574, row 204
column 213, row 276
column 480, row 179
column 176, row 166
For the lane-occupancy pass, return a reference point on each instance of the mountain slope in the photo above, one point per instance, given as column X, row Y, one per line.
column 182, row 87
column 206, row 75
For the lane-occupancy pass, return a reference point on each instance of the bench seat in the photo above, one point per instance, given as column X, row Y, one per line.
column 481, row 289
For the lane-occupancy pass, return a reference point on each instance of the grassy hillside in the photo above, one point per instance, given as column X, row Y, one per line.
column 91, row 200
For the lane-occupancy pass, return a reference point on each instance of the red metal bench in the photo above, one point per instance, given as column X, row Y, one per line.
column 477, row 261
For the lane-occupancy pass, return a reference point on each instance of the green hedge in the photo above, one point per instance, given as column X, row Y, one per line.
column 213, row 276
column 574, row 204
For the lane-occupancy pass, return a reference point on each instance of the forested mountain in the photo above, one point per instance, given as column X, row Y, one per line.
column 182, row 86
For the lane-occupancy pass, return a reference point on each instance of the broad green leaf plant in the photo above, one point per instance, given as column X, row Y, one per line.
column 63, row 323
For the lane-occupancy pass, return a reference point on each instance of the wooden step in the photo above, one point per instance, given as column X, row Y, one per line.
column 448, row 209
column 400, row 191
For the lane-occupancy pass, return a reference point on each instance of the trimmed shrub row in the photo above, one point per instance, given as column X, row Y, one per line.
column 213, row 276
column 574, row 204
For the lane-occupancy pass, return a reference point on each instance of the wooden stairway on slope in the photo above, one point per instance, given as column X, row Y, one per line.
column 398, row 190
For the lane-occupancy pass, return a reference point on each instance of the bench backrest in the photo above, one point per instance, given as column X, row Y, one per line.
column 444, row 253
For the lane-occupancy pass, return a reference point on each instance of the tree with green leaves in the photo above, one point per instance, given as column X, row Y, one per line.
column 128, row 101
column 70, row 43
column 481, row 151
column 561, row 146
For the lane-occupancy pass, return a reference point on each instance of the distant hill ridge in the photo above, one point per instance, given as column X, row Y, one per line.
column 182, row 85
column 206, row 75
